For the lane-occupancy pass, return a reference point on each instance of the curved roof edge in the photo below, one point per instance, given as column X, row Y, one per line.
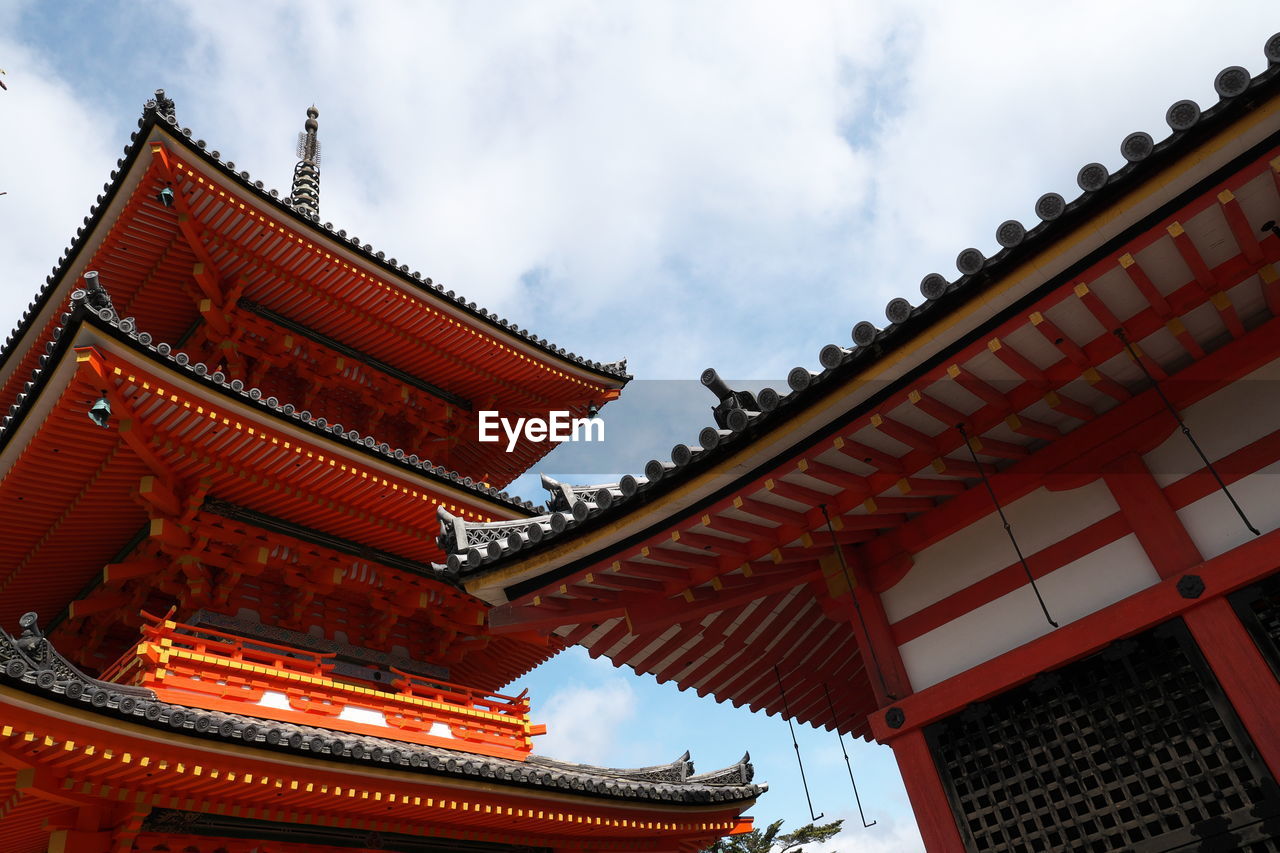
column 476, row 549
column 125, row 331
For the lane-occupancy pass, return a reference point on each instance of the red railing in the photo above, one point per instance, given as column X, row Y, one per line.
column 207, row 668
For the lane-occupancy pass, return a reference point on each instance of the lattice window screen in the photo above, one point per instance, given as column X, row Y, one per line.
column 1134, row 748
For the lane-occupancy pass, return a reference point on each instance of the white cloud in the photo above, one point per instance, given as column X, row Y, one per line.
column 586, row 722
column 745, row 179
column 889, row 835
column 54, row 161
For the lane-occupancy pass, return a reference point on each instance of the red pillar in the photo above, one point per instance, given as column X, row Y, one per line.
column 1231, row 653
column 1243, row 673
column 928, row 797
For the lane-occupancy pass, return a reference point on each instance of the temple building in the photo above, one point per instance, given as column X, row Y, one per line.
column 1025, row 532
column 229, row 430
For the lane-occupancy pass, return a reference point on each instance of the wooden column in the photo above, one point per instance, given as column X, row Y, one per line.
column 877, row 639
column 1150, row 516
column 1243, row 673
column 928, row 797
column 1231, row 653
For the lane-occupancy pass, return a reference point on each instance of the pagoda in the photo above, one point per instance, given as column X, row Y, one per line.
column 230, row 431
column 1023, row 531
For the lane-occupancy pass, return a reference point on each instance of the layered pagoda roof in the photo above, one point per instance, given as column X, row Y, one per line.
column 75, row 728
column 197, row 449
column 719, row 561
column 219, row 252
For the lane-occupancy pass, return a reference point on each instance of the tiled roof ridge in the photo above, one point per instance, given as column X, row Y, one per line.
column 105, row 316
column 740, row 416
column 31, row 663
column 679, row 770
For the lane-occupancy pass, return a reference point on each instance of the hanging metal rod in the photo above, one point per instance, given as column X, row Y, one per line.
column 1186, row 430
column 982, row 472
column 803, row 781
column 845, row 753
column 857, row 608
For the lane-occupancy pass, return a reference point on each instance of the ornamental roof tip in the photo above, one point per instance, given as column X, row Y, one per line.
column 739, row 416
column 83, row 304
column 31, row 663
column 473, row 545
column 304, row 206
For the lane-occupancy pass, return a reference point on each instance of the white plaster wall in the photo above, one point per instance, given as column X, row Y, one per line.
column 1072, row 592
column 1213, row 523
column 1039, row 520
column 1222, row 423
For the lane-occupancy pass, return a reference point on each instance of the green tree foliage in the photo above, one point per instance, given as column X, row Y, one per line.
column 771, row 839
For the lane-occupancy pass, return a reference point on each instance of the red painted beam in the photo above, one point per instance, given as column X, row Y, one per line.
column 1240, row 463
column 1246, row 239
column 869, row 455
column 1194, row 260
column 1140, row 279
column 984, row 446
column 1271, row 287
column 661, row 614
column 897, row 505
column 927, row 487
column 806, row 496
column 936, row 409
column 831, row 474
column 978, row 388
column 1032, row 428
column 1067, row 406
column 1018, row 363
column 855, row 521
column 1148, row 513
column 909, row 436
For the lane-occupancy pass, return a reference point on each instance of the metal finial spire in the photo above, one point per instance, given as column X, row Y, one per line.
column 306, row 175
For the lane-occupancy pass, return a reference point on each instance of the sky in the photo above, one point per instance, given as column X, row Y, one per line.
column 694, row 184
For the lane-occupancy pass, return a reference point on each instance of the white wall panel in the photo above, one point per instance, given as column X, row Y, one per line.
column 1213, row 523
column 1072, row 592
column 1223, row 422
column 1039, row 520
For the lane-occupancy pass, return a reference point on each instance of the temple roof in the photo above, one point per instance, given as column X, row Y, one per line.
column 476, row 549
column 30, row 663
column 728, row 568
column 159, row 112
column 125, row 330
